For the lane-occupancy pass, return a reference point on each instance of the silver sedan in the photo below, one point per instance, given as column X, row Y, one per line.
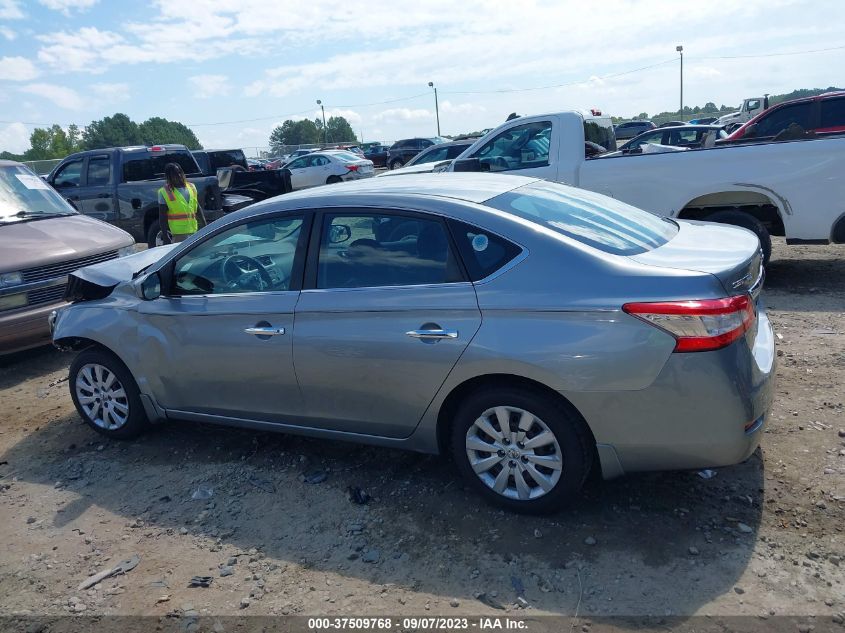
column 529, row 330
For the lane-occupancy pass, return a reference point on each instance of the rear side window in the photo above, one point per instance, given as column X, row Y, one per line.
column 146, row 166
column 227, row 159
column 832, row 113
column 483, row 253
column 99, row 168
column 598, row 221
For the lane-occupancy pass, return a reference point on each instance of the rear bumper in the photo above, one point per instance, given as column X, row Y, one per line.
column 704, row 409
column 26, row 328
column 354, row 175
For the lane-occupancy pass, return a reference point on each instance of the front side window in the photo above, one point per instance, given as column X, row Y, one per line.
column 430, row 156
column 255, row 256
column 782, row 118
column 99, row 169
column 592, row 219
column 519, row 147
column 299, row 163
column 69, row 175
column 374, row 250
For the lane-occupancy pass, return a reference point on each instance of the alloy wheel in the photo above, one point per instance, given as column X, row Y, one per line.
column 102, row 396
column 514, row 453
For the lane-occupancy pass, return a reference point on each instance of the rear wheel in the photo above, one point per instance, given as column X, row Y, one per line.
column 105, row 395
column 333, row 179
column 521, row 449
column 154, row 235
column 396, row 164
column 747, row 221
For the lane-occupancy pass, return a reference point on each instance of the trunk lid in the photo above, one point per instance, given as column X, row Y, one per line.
column 730, row 253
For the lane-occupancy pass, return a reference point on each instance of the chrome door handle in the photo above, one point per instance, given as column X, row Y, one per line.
column 265, row 331
column 433, row 334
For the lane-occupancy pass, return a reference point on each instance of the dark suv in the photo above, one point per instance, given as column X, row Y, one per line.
column 403, row 151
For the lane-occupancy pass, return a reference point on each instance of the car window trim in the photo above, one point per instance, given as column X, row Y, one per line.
column 297, row 270
column 311, row 263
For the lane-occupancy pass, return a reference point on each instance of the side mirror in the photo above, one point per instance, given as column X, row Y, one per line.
column 149, row 287
column 470, row 164
column 340, row 233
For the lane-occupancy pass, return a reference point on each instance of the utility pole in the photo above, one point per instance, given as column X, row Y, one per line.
column 325, row 130
column 436, row 106
column 680, row 50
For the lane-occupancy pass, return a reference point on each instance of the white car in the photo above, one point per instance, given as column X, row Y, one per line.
column 327, row 167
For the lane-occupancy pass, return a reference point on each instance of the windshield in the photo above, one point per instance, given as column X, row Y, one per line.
column 592, row 219
column 22, row 193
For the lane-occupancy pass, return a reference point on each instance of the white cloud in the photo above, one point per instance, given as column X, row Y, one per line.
column 17, row 69
column 461, row 108
column 404, row 114
column 207, row 86
column 10, row 10
column 61, row 96
column 14, row 138
column 8, row 33
column 81, row 50
column 67, row 6
column 110, row 92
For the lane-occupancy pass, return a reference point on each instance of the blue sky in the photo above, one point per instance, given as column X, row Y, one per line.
column 256, row 62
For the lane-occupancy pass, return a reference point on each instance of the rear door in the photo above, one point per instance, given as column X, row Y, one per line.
column 382, row 321
column 832, row 115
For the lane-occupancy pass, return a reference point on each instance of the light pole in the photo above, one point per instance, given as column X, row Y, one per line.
column 680, row 50
column 436, row 107
column 325, row 130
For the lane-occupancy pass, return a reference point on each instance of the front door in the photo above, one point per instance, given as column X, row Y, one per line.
column 96, row 195
column 526, row 149
column 299, row 173
column 220, row 342
column 385, row 317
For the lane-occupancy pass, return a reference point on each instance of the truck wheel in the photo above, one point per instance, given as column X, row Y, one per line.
column 154, row 235
column 396, row 164
column 746, row 221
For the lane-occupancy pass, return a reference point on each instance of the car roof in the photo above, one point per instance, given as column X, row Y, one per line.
column 468, row 187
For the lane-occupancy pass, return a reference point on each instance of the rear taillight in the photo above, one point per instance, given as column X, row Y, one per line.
column 352, row 167
column 699, row 326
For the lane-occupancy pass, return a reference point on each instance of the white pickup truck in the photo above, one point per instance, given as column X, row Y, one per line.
column 795, row 189
column 748, row 109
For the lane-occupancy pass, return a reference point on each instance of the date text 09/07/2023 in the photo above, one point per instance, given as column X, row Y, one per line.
column 416, row 624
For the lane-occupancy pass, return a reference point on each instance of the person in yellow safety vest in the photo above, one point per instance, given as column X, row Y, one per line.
column 177, row 206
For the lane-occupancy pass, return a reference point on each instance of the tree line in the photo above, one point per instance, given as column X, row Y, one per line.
column 117, row 130
column 308, row 132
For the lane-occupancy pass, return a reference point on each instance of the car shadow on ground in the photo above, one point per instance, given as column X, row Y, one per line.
column 819, row 281
column 645, row 544
column 33, row 363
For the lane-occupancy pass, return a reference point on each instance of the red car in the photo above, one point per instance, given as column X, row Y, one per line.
column 822, row 114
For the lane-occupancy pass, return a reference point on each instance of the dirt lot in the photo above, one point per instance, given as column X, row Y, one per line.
column 762, row 538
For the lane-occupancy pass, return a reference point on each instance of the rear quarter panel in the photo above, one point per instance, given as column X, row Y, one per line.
column 805, row 179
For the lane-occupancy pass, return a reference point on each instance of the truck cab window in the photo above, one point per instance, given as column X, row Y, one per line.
column 520, row 147
column 69, row 175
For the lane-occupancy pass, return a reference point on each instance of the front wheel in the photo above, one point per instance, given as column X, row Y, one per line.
column 396, row 164
column 521, row 450
column 746, row 221
column 105, row 395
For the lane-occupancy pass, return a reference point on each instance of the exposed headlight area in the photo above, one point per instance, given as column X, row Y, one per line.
column 11, row 279
column 126, row 250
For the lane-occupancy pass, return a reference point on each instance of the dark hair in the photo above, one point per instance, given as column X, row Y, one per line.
column 174, row 176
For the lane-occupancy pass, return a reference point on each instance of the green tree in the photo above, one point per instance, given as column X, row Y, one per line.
column 158, row 130
column 112, row 131
column 59, row 145
column 339, row 130
column 290, row 132
column 74, row 138
column 39, row 144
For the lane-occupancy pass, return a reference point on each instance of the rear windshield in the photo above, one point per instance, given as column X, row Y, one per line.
column 148, row 166
column 592, row 219
column 227, row 158
column 347, row 156
column 23, row 194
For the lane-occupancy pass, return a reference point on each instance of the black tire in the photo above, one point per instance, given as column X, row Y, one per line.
column 396, row 164
column 746, row 221
column 333, row 179
column 152, row 234
column 136, row 418
column 567, row 426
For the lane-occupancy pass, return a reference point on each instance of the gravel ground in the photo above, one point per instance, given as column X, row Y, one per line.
column 281, row 535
